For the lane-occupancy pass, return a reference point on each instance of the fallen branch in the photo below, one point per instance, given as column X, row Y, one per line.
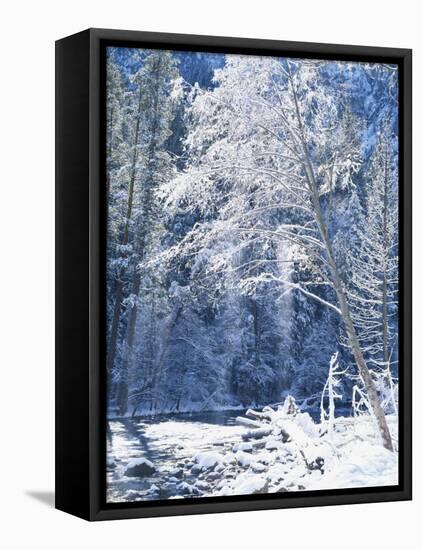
column 258, row 415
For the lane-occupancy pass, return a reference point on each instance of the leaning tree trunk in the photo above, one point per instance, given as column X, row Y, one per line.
column 338, row 287
column 365, row 374
column 347, row 318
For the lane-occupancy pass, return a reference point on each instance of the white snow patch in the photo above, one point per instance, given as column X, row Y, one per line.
column 365, row 465
column 247, row 484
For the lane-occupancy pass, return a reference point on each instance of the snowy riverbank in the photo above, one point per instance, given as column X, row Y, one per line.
column 277, row 452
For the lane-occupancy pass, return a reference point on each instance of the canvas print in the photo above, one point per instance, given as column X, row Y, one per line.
column 252, row 274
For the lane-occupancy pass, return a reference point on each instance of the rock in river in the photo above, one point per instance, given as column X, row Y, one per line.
column 139, row 467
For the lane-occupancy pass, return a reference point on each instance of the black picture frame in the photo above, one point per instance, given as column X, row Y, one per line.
column 80, row 268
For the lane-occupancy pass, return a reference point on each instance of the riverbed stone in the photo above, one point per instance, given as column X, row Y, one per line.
column 202, row 485
column 187, row 489
column 143, row 469
column 177, row 473
column 258, row 467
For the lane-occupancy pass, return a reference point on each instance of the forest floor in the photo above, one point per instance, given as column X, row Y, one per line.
column 270, row 452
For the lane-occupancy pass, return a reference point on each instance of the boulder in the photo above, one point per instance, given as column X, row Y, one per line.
column 139, row 467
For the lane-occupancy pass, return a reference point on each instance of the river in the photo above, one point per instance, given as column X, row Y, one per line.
column 170, row 442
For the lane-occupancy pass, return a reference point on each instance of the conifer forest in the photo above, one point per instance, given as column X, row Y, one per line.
column 252, row 274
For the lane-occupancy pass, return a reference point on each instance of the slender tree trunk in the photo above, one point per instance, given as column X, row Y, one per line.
column 338, row 287
column 165, row 340
column 127, row 356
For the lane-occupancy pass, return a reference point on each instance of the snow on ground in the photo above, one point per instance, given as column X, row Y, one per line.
column 362, row 460
column 193, row 459
column 191, row 435
column 354, row 457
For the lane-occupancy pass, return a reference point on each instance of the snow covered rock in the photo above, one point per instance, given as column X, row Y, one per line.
column 258, row 467
column 244, row 446
column 173, row 479
column 185, row 488
column 244, row 459
column 202, row 485
column 317, row 464
column 230, row 458
column 177, row 473
column 208, row 460
column 139, row 467
column 266, row 457
column 213, row 476
column 273, row 445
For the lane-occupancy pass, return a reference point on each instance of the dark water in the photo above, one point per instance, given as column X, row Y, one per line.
column 127, row 439
column 222, row 418
column 218, row 418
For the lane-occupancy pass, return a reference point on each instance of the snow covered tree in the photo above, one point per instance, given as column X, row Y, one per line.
column 121, row 197
column 259, row 149
column 156, row 82
column 140, row 107
column 245, row 230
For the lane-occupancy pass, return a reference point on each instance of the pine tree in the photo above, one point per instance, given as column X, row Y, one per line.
column 121, row 197
column 374, row 281
column 155, row 81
